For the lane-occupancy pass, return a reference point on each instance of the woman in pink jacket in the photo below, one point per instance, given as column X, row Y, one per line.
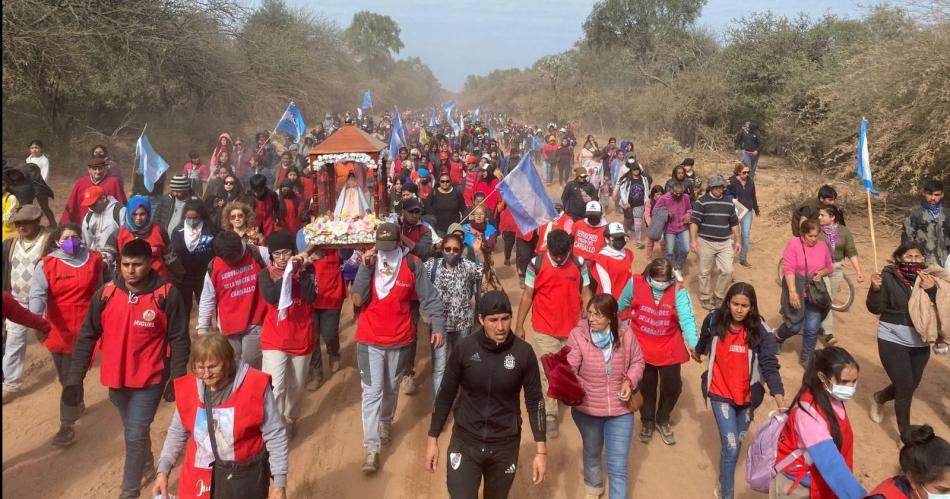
column 607, row 360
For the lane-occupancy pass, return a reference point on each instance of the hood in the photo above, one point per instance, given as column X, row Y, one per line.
column 76, row 260
column 133, row 205
column 152, row 282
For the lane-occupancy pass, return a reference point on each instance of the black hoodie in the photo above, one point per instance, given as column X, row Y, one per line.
column 491, row 377
column 92, row 329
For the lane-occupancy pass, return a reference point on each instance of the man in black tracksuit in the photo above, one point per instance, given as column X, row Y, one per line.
column 491, row 368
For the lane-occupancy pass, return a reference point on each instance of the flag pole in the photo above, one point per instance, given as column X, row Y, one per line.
column 135, row 161
column 873, row 238
column 493, row 190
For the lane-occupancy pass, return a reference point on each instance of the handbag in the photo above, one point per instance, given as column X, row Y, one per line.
column 816, row 293
column 236, row 479
column 563, row 384
column 635, row 402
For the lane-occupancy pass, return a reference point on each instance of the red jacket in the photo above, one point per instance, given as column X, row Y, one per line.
column 74, row 213
column 14, row 312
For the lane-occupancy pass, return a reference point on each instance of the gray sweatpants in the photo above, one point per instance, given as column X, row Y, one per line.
column 381, row 369
column 14, row 356
column 247, row 345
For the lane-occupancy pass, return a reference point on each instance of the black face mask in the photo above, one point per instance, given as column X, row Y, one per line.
column 594, row 220
column 618, row 244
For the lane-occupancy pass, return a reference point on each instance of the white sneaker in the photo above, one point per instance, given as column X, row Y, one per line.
column 371, row 462
column 678, row 275
column 877, row 410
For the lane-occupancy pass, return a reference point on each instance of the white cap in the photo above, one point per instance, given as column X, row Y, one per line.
column 615, row 229
column 486, row 156
column 593, row 207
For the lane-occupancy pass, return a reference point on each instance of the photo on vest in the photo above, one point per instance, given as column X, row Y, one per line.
column 223, row 434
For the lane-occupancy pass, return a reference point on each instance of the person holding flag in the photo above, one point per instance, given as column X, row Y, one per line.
column 291, row 123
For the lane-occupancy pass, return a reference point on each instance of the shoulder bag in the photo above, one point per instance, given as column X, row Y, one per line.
column 816, row 293
column 248, row 479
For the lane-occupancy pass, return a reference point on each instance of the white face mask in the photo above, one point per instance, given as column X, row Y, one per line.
column 932, row 495
column 659, row 286
column 842, row 392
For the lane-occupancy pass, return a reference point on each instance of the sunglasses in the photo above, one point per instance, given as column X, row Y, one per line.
column 228, row 183
column 746, row 172
column 236, row 216
column 445, row 181
column 452, row 250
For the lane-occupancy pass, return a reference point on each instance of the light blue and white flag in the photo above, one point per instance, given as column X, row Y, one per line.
column 367, row 100
column 448, row 107
column 148, row 162
column 864, row 159
column 432, row 121
column 396, row 137
column 523, row 192
column 291, row 122
column 478, row 111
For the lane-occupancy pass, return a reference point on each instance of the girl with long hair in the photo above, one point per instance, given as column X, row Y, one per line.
column 741, row 357
column 818, row 426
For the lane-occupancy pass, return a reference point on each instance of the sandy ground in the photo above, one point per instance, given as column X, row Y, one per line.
column 326, row 455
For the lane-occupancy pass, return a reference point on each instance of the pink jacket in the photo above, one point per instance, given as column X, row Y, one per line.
column 794, row 256
column 602, row 392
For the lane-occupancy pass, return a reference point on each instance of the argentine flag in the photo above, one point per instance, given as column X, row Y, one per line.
column 524, row 194
column 864, row 159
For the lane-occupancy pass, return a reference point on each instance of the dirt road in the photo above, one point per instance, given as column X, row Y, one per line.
column 326, row 455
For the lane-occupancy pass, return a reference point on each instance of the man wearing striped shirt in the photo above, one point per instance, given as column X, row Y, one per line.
column 712, row 224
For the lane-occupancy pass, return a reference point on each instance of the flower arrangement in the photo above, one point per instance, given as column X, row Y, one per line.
column 343, row 231
column 357, row 157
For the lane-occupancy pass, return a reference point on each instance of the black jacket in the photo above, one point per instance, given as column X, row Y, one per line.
column 92, row 329
column 890, row 301
column 491, row 377
column 573, row 199
column 745, row 195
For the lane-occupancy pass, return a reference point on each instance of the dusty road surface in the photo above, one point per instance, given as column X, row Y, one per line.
column 325, row 457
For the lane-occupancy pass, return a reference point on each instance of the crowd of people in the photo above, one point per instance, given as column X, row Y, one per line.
column 119, row 279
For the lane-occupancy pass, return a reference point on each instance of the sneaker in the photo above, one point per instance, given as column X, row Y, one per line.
column 409, row 384
column 746, row 264
column 646, row 433
column 941, row 348
column 666, row 433
column 384, row 433
column 877, row 410
column 707, row 305
column 316, row 380
column 334, row 363
column 66, row 436
column 8, row 396
column 828, row 340
column 371, row 462
column 551, row 425
column 640, row 246
column 678, row 274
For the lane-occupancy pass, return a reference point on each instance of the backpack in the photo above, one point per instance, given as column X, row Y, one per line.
column 656, row 230
column 116, row 209
column 760, row 465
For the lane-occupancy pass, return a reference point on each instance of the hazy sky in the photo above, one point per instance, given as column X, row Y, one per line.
column 461, row 37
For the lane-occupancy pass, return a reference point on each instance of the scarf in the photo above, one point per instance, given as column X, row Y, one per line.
column 286, row 288
column 192, row 236
column 832, row 235
column 934, row 209
column 387, row 269
column 603, row 340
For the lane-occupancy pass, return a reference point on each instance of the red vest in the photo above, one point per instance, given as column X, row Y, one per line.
column 235, row 289
column 155, row 240
column 415, row 232
column 588, row 241
column 68, row 297
column 556, row 306
column 788, row 442
column 657, row 325
column 386, row 321
column 618, row 271
column 238, row 429
column 294, row 333
column 730, row 374
column 133, row 337
column 330, row 289
column 888, row 489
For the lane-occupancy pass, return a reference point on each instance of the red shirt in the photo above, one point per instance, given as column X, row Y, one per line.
column 74, row 213
column 730, row 372
column 330, row 289
column 588, row 240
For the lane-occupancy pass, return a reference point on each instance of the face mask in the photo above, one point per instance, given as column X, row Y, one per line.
column 193, row 224
column 842, row 392
column 934, row 495
column 452, row 259
column 594, row 220
column 618, row 244
column 659, row 286
column 910, row 269
column 71, row 245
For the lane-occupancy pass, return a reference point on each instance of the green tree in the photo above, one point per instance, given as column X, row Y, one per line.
column 374, row 38
column 639, row 24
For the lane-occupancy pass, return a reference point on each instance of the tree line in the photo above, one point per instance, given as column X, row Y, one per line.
column 647, row 67
column 77, row 72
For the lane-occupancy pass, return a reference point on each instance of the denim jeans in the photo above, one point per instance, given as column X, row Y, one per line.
column 745, row 233
column 614, row 433
column 733, row 422
column 677, row 244
column 808, row 327
column 14, row 356
column 752, row 161
column 549, row 167
column 440, row 357
column 137, row 407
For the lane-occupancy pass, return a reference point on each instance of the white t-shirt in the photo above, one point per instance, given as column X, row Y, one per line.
column 43, row 163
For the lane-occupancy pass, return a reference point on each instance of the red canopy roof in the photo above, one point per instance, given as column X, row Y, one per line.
column 348, row 138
